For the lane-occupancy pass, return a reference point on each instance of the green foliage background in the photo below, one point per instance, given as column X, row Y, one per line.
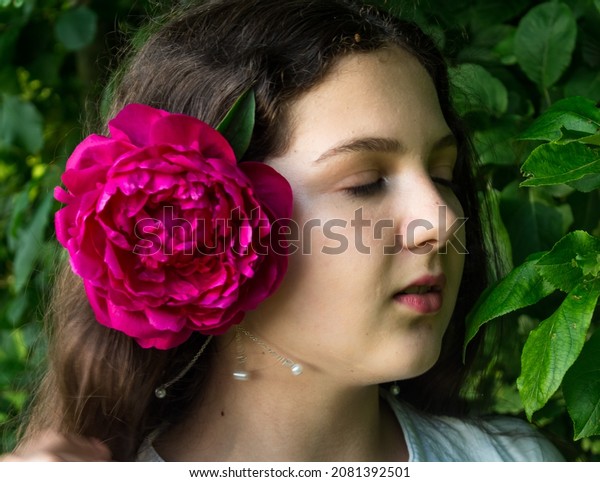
column 512, row 62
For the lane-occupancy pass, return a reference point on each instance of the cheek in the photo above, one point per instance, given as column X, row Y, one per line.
column 328, row 267
column 321, row 228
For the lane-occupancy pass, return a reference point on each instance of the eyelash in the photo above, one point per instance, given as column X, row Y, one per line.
column 456, row 189
column 373, row 188
column 365, row 190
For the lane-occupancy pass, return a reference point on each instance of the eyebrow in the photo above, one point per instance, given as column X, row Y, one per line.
column 381, row 145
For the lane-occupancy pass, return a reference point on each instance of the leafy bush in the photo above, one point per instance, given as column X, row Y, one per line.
column 554, row 351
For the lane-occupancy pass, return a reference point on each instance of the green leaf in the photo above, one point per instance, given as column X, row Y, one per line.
column 474, row 89
column 532, row 219
column 554, row 163
column 8, row 41
column 569, row 136
column 522, row 287
column 575, row 114
column 13, row 348
column 494, row 145
column 566, row 264
column 588, row 183
column 76, row 28
column 18, row 208
column 16, row 307
column 589, row 263
column 554, row 346
column 544, row 42
column 491, row 13
column 20, row 124
column 490, row 45
column 593, row 140
column 584, row 82
column 31, row 240
column 238, row 123
column 581, row 389
column 549, row 127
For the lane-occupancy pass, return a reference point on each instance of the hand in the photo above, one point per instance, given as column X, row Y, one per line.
column 51, row 446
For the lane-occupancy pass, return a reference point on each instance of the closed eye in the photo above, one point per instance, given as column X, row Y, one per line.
column 365, row 190
column 447, row 183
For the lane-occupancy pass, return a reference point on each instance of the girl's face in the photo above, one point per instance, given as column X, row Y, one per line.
column 379, row 258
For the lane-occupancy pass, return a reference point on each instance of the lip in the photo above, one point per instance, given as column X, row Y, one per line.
column 429, row 302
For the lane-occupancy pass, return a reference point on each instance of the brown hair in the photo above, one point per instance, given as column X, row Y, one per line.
column 99, row 382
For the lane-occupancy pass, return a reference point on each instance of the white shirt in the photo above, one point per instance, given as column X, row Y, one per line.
column 432, row 438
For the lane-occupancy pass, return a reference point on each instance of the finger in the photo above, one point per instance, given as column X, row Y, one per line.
column 56, row 447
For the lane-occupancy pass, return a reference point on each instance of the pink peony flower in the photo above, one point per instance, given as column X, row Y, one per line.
column 169, row 234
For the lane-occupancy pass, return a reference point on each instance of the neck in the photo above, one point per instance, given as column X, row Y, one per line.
column 276, row 416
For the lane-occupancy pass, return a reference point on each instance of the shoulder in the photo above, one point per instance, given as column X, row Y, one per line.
column 495, row 439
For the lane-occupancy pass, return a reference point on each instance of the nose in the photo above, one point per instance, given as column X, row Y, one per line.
column 429, row 215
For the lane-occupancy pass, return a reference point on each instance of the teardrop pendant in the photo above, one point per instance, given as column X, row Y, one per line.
column 241, row 375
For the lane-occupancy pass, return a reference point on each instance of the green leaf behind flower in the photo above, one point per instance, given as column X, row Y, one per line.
column 238, row 123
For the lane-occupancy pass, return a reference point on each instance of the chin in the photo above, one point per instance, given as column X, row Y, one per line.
column 423, row 359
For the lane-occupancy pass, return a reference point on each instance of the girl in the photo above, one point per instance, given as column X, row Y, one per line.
column 383, row 247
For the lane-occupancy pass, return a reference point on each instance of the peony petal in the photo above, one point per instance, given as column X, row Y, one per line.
column 113, row 263
column 165, row 320
column 134, row 123
column 80, row 182
column 129, row 184
column 86, row 253
column 148, row 290
column 96, row 150
column 62, row 196
column 133, row 323
column 270, row 188
column 218, row 325
column 113, row 234
column 165, row 340
column 120, row 295
column 98, row 303
column 187, row 132
column 63, row 220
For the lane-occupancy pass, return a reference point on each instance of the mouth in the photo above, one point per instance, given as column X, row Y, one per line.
column 420, row 290
column 423, row 295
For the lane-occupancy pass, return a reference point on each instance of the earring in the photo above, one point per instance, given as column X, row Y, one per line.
column 161, row 391
column 395, row 389
column 241, row 373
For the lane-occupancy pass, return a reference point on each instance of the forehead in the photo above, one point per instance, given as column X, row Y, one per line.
column 386, row 93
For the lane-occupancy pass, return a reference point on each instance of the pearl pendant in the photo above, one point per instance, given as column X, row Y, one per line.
column 160, row 392
column 241, row 375
column 296, row 369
